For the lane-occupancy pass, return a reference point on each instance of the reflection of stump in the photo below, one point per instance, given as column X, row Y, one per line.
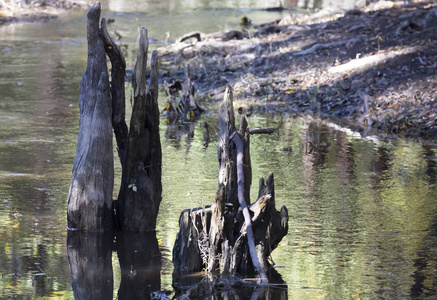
column 228, row 238
column 90, row 262
column 140, row 263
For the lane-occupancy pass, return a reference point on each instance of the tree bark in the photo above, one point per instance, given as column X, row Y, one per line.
column 91, row 187
column 141, row 188
column 102, row 106
column 118, row 74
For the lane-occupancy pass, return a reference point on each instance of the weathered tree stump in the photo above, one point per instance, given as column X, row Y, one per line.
column 102, row 106
column 90, row 194
column 232, row 237
column 141, row 187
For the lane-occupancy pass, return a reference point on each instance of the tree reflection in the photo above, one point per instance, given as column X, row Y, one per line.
column 140, row 263
column 90, row 262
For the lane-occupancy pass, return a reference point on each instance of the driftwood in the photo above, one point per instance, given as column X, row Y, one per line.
column 102, row 106
column 221, row 36
column 264, row 130
column 231, row 237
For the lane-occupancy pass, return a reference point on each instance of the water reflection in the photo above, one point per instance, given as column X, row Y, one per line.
column 363, row 213
column 140, row 262
column 90, row 262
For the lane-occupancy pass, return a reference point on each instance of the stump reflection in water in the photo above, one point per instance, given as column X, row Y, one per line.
column 90, row 262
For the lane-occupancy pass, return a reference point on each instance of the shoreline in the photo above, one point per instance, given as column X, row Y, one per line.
column 374, row 68
column 18, row 13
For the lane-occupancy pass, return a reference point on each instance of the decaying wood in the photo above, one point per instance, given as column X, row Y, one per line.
column 118, row 73
column 90, row 205
column 231, row 237
column 141, row 189
column 226, row 153
column 91, row 187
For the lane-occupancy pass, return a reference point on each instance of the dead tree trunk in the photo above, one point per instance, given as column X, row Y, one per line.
column 102, row 105
column 141, row 188
column 232, row 237
column 90, row 194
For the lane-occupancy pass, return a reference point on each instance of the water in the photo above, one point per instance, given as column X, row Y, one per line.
column 363, row 220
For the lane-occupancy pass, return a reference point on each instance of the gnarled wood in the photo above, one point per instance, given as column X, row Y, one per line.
column 231, row 237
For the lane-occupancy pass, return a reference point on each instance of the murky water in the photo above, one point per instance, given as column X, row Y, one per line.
column 363, row 213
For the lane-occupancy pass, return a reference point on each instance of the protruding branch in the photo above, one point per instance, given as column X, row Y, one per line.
column 235, row 137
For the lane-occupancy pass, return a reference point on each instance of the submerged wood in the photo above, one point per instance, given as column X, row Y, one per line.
column 90, row 194
column 141, row 188
column 231, row 237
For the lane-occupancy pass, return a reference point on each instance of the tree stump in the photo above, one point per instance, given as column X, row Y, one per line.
column 92, row 182
column 141, row 188
column 232, row 237
column 102, row 106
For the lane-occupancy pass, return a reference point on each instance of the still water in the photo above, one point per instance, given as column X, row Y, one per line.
column 363, row 213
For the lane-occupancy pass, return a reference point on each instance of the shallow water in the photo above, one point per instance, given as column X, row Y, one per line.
column 363, row 219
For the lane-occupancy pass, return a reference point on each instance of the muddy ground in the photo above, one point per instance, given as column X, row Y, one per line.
column 12, row 11
column 373, row 68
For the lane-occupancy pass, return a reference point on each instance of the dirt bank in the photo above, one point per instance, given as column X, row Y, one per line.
column 374, row 68
column 36, row 11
